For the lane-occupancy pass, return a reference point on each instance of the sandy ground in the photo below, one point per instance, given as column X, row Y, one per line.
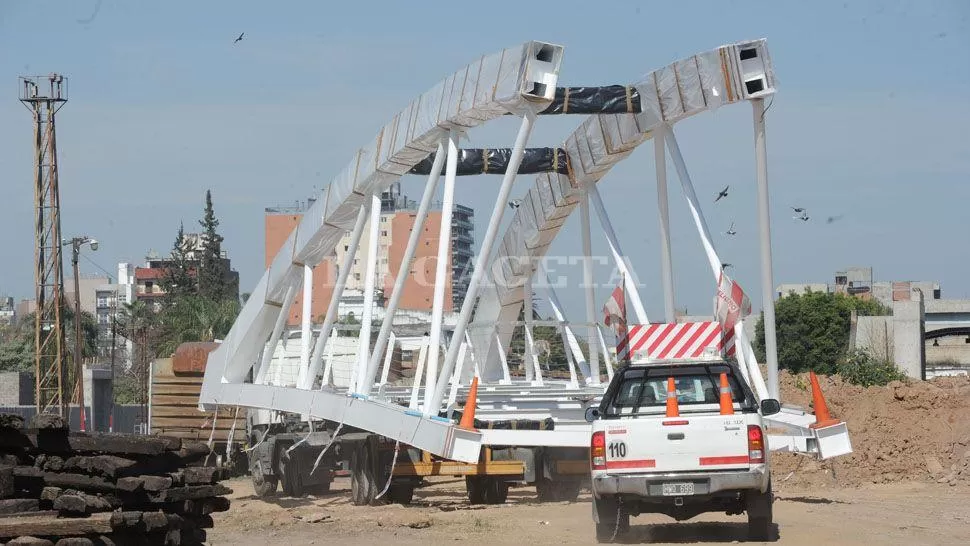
column 884, row 514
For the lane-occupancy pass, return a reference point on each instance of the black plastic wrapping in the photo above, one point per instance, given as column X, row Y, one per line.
column 610, row 99
column 496, row 161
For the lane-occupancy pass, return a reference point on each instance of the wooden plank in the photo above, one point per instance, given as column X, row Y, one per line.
column 454, row 468
column 177, row 380
column 185, row 400
column 192, row 412
column 192, row 357
column 98, row 442
column 184, row 390
column 13, row 506
column 54, row 526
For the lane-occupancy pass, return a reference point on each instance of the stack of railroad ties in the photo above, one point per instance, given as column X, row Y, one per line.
column 100, row 489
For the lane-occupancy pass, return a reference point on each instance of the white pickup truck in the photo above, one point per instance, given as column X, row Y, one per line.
column 649, row 454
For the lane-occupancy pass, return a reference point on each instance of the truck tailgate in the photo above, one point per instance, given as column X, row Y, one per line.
column 677, row 444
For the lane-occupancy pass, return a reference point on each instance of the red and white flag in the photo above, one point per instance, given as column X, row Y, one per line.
column 730, row 307
column 614, row 315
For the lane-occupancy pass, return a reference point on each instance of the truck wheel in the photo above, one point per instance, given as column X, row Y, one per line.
column 568, row 491
column 760, row 517
column 546, row 490
column 292, row 480
column 264, row 486
column 496, row 491
column 358, row 477
column 613, row 522
column 476, row 489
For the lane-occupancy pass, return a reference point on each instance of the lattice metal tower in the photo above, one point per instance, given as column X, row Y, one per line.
column 44, row 96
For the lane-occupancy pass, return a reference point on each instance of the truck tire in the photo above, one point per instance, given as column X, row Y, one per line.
column 264, row 486
column 496, row 491
column 612, row 521
column 568, row 490
column 475, row 486
column 359, row 486
column 292, row 478
column 758, row 505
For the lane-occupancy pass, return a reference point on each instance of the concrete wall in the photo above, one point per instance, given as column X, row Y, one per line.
column 16, row 388
column 908, row 329
column 876, row 335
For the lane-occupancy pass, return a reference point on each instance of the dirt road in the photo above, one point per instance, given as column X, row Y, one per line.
column 902, row 513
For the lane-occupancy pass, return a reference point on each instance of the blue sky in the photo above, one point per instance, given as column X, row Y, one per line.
column 869, row 123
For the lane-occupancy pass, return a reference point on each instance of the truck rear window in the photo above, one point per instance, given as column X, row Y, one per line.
column 644, row 390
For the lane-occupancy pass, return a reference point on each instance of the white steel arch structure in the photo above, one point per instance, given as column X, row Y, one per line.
column 520, row 81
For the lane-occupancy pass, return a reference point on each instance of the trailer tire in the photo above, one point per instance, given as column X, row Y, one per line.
column 496, row 491
column 292, row 480
column 401, row 493
column 475, row 487
column 758, row 505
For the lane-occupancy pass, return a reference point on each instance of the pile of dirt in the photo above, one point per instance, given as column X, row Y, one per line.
column 905, row 431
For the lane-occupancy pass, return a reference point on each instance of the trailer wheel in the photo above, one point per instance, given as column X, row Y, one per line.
column 568, row 490
column 496, row 491
column 401, row 493
column 475, row 487
column 546, row 490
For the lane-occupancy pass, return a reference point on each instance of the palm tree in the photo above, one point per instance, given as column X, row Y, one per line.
column 195, row 319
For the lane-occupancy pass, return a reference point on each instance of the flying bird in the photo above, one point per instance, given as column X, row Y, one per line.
column 722, row 193
column 730, row 230
column 239, row 39
column 726, row 265
column 803, row 217
column 798, row 209
column 832, row 219
column 515, row 203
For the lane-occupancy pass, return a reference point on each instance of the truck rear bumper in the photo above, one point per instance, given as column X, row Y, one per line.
column 705, row 483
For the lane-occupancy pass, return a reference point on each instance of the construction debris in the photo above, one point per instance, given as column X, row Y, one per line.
column 73, row 488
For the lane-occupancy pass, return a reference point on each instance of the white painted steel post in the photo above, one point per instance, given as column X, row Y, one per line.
column 404, row 271
column 688, row 188
column 328, row 370
column 578, row 358
column 274, row 338
column 455, row 379
column 441, row 273
column 594, row 361
column 527, row 327
column 387, row 359
column 369, row 278
column 338, row 291
column 418, row 373
column 663, row 203
column 629, row 281
column 306, row 335
column 606, row 354
column 506, row 377
column 491, row 234
column 764, row 223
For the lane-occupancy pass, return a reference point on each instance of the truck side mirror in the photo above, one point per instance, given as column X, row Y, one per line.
column 770, row 406
column 592, row 414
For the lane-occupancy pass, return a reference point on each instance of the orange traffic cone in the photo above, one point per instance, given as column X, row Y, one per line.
column 673, row 408
column 822, row 417
column 727, row 404
column 468, row 414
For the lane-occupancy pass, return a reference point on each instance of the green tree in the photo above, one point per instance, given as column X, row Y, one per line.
column 213, row 274
column 193, row 318
column 139, row 323
column 177, row 280
column 17, row 341
column 813, row 329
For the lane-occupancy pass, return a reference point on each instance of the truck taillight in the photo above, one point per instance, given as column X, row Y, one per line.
column 597, row 451
column 756, row 445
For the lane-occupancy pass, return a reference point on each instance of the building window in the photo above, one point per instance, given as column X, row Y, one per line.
column 149, row 287
column 346, row 248
column 384, row 233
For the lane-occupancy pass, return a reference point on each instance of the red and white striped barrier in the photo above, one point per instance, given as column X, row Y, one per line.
column 676, row 340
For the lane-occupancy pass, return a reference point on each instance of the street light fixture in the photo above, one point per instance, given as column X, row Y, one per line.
column 76, row 244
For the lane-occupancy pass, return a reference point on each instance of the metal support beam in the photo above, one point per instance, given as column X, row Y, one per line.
column 441, row 274
column 404, row 271
column 306, row 335
column 338, row 291
column 387, row 359
column 594, row 364
column 369, row 276
column 764, row 223
column 663, row 202
column 527, row 305
column 688, row 188
column 274, row 338
column 491, row 234
column 419, row 373
column 629, row 281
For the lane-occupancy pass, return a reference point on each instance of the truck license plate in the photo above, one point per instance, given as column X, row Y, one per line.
column 678, row 489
